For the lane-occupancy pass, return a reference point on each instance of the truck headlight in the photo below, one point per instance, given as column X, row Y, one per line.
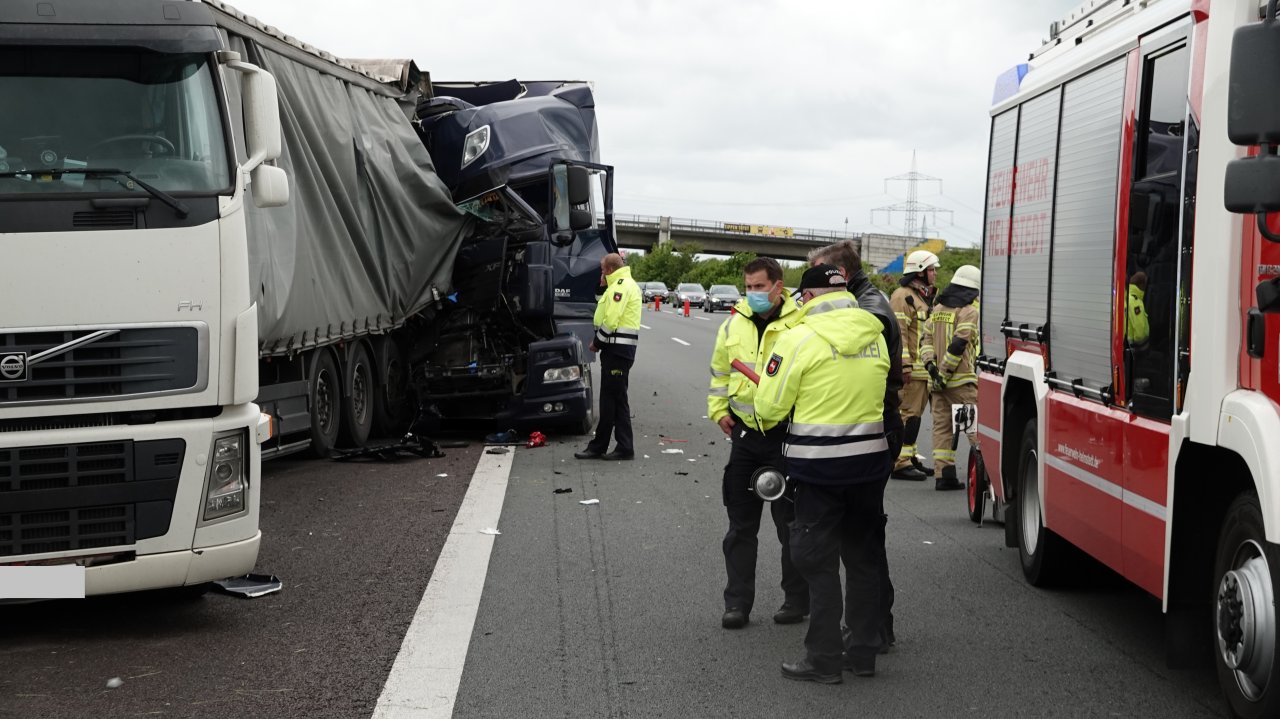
column 562, row 374
column 226, row 485
column 474, row 146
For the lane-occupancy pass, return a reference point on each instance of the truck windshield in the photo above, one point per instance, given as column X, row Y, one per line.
column 155, row 116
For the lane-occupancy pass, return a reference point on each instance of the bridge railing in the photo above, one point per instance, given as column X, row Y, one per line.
column 678, row 224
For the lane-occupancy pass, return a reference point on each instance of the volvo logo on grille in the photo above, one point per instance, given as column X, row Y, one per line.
column 13, row 367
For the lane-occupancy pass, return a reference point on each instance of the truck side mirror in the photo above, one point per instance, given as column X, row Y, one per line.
column 270, row 186
column 579, row 185
column 1253, row 118
column 261, row 110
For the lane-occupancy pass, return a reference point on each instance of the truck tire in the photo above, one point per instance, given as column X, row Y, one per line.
column 391, row 401
column 976, row 487
column 1039, row 548
column 324, row 401
column 359, row 386
column 1244, row 613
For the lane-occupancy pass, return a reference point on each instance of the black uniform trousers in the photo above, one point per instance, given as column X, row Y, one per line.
column 615, row 408
column 886, row 585
column 834, row 523
column 751, row 451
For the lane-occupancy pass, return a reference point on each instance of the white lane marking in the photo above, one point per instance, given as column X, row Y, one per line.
column 677, row 339
column 704, row 319
column 423, row 683
column 644, row 326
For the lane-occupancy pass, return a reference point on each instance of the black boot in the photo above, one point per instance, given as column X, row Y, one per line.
column 948, row 480
column 915, row 462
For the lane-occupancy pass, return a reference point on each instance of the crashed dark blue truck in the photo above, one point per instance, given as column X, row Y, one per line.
column 510, row 342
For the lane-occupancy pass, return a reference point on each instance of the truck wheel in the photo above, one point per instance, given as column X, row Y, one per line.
column 1244, row 613
column 588, row 421
column 357, row 414
column 391, row 403
column 324, row 397
column 976, row 487
column 1039, row 549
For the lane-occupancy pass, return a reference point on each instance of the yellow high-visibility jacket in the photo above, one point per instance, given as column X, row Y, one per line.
column 828, row 373
column 617, row 318
column 738, row 339
column 1137, row 329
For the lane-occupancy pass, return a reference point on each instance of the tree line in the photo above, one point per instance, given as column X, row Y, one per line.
column 672, row 265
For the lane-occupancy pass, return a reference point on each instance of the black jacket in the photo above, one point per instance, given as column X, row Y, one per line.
column 873, row 300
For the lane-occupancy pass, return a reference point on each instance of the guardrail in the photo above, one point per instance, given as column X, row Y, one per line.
column 653, row 222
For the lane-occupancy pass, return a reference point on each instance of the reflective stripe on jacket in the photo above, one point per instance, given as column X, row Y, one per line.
column 829, row 373
column 738, row 339
column 951, row 341
column 617, row 318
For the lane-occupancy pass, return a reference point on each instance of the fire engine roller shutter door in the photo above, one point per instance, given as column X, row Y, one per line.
column 1032, row 211
column 995, row 241
column 1085, row 226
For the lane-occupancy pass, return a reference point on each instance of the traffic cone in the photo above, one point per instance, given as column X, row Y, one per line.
column 686, row 308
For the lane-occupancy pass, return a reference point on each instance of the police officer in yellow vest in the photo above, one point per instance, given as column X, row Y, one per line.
column 911, row 303
column 949, row 349
column 617, row 322
column 828, row 373
column 1137, row 328
column 748, row 336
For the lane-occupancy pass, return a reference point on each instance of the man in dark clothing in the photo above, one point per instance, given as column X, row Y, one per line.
column 844, row 255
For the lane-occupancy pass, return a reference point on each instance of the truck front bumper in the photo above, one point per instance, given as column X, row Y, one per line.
column 174, row 569
column 549, row 410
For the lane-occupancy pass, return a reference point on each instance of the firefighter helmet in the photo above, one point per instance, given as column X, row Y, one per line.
column 919, row 261
column 968, row 276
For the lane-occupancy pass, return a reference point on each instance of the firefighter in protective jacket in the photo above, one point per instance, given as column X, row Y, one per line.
column 911, row 303
column 617, row 322
column 748, row 337
column 949, row 349
column 828, row 374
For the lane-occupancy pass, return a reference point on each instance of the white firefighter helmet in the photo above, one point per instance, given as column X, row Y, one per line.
column 919, row 261
column 968, row 276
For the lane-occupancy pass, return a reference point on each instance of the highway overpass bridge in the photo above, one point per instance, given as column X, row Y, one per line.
column 644, row 232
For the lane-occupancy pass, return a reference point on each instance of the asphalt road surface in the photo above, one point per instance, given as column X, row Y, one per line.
column 604, row 610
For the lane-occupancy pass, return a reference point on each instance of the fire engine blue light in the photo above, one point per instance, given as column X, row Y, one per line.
column 1008, row 83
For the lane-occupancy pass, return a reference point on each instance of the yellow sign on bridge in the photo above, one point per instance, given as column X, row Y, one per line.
column 765, row 230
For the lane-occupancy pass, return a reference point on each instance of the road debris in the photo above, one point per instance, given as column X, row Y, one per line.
column 589, row 501
column 536, row 439
column 563, row 490
column 115, row 683
column 250, row 585
column 497, row 450
column 682, row 474
column 490, row 531
column 673, row 451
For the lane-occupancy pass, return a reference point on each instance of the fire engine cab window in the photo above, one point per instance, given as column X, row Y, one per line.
column 1150, row 285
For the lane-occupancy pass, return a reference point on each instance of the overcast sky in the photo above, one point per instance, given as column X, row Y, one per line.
column 780, row 112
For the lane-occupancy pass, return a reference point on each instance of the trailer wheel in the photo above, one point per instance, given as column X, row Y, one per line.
column 976, row 487
column 357, row 414
column 1244, row 613
column 391, row 404
column 1039, row 548
column 324, row 396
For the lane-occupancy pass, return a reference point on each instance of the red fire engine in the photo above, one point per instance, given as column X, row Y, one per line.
column 1131, row 319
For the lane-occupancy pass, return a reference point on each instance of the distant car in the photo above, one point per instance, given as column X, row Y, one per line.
column 650, row 290
column 691, row 291
column 721, row 297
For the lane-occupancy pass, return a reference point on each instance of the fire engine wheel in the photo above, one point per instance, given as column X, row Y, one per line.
column 324, row 395
column 1245, row 614
column 357, row 414
column 976, row 487
column 1039, row 549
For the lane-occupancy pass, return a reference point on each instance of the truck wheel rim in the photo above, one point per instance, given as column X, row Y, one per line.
column 1029, row 504
column 324, row 401
column 1246, row 626
column 360, row 393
